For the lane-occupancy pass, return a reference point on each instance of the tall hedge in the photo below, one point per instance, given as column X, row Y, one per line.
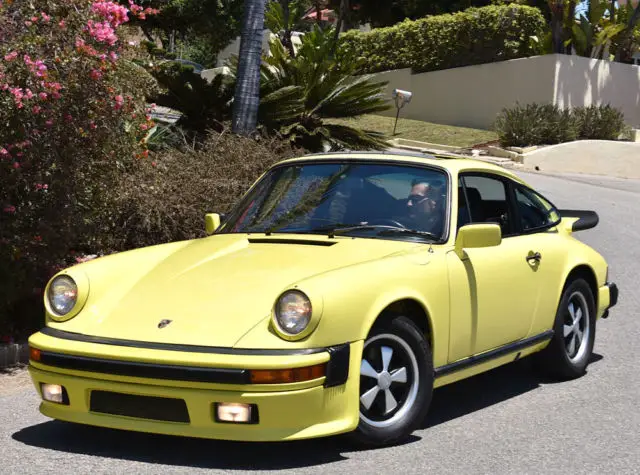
column 474, row 36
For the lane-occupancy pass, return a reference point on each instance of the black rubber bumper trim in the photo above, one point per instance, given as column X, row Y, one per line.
column 337, row 371
column 338, row 366
column 145, row 370
column 65, row 335
column 613, row 294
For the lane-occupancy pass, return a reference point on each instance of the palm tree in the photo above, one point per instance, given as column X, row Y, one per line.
column 623, row 53
column 247, row 92
column 307, row 98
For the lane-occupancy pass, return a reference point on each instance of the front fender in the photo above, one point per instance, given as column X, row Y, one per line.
column 354, row 297
column 106, row 278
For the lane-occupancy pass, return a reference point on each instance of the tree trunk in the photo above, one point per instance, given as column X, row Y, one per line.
column 317, row 12
column 342, row 21
column 557, row 32
column 247, row 93
column 286, row 13
column 612, row 11
column 147, row 34
column 623, row 53
column 568, row 26
column 557, row 25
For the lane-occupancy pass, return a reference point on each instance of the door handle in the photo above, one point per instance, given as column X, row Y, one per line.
column 534, row 257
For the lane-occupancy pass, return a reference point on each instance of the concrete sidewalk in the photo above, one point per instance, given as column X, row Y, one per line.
column 593, row 157
column 590, row 157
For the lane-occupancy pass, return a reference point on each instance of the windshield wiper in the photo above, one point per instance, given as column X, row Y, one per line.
column 338, row 228
column 415, row 232
column 345, row 228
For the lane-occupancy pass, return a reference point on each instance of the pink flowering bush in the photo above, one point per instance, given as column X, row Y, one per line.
column 72, row 121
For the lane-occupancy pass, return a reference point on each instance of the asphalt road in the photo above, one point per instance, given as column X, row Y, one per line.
column 505, row 421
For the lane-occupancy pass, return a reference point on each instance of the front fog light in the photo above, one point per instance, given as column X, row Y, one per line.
column 236, row 412
column 54, row 393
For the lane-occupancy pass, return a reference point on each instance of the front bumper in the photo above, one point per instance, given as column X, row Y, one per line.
column 610, row 291
column 148, row 382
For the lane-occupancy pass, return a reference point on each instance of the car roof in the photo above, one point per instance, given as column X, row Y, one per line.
column 455, row 164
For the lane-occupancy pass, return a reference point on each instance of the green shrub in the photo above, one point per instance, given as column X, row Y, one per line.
column 600, row 122
column 474, row 36
column 547, row 124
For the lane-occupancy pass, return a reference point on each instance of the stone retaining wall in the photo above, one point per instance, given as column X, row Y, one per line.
column 13, row 354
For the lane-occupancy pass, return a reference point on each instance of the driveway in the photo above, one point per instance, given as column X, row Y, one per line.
column 505, row 421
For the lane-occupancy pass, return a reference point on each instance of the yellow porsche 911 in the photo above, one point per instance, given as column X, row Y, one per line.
column 339, row 292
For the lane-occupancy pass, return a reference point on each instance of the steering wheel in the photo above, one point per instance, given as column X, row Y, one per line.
column 383, row 221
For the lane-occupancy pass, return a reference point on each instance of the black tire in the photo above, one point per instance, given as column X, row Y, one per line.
column 555, row 359
column 412, row 397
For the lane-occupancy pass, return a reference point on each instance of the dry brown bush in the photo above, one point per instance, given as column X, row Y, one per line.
column 167, row 201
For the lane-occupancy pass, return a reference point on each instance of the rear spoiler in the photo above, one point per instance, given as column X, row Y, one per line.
column 584, row 219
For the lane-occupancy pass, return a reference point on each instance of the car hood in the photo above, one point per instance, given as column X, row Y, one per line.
column 214, row 290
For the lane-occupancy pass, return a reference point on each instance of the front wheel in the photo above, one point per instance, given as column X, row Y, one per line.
column 570, row 349
column 396, row 382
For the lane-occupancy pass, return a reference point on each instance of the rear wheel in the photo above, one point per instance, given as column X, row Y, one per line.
column 396, row 382
column 569, row 352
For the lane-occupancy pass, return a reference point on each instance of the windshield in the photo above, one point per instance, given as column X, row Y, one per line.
column 368, row 199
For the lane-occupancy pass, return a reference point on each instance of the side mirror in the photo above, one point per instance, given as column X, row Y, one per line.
column 477, row 235
column 211, row 222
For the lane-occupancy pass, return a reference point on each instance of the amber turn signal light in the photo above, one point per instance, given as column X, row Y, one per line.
column 294, row 375
column 34, row 354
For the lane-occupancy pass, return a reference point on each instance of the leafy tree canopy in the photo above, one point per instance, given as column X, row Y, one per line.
column 207, row 25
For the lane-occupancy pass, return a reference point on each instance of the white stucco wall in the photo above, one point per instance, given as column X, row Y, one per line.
column 583, row 81
column 472, row 96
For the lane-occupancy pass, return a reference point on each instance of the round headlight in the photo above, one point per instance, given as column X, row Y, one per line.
column 293, row 312
column 63, row 294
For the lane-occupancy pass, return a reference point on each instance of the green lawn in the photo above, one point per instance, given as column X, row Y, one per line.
column 422, row 131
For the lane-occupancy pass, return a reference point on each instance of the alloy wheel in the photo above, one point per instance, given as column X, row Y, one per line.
column 389, row 379
column 576, row 329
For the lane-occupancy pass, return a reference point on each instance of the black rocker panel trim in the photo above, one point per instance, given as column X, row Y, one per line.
column 493, row 354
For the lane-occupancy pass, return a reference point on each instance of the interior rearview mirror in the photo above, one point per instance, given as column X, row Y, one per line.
column 212, row 222
column 477, row 235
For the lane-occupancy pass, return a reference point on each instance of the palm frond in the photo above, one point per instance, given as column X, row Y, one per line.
column 352, row 97
column 281, row 106
column 355, row 139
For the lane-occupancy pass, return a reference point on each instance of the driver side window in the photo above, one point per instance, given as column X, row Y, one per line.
column 483, row 199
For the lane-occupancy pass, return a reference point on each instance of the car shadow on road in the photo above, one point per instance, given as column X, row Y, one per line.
column 448, row 403
column 485, row 390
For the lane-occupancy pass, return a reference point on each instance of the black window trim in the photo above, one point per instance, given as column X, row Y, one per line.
column 546, row 227
column 509, row 196
column 235, row 211
column 512, row 202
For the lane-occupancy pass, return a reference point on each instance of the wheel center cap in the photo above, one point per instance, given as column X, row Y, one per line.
column 384, row 380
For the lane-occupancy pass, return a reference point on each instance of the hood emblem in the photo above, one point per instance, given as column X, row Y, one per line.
column 163, row 323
